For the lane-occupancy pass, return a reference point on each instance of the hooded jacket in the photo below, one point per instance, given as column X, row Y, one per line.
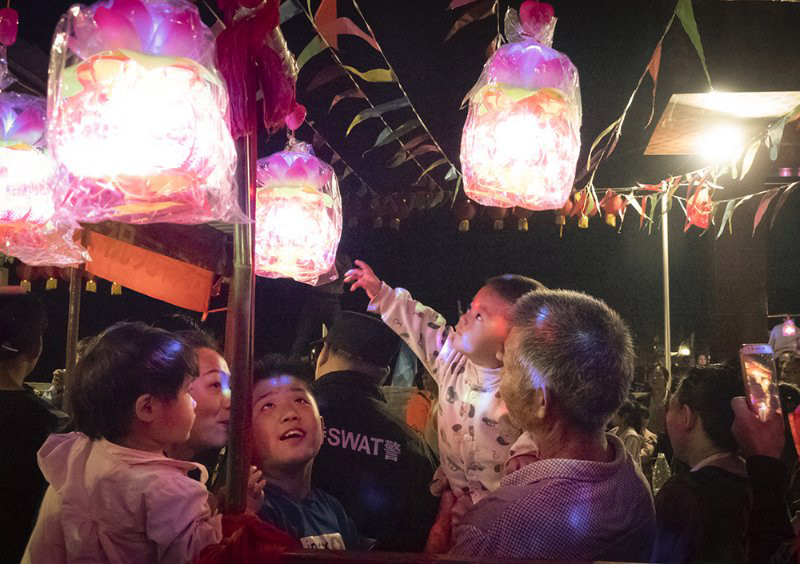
column 108, row 503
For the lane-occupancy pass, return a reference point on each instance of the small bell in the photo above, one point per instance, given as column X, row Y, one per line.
column 583, row 222
column 611, row 219
column 25, row 284
column 522, row 224
column 51, row 284
column 463, row 226
column 116, row 289
column 91, row 286
column 395, row 224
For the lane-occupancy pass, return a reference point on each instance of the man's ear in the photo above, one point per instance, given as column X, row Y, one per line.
column 688, row 418
column 323, row 357
column 145, row 408
column 540, row 403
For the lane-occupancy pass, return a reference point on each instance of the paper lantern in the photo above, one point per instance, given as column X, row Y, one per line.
column 698, row 208
column 613, row 205
column 521, row 139
column 27, row 206
column 137, row 115
column 298, row 217
column 789, row 329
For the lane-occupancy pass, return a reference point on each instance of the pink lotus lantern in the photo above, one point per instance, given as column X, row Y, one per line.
column 27, row 231
column 521, row 139
column 298, row 216
column 138, row 115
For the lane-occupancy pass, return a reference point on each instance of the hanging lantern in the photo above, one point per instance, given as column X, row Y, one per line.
column 298, row 216
column 27, row 208
column 465, row 211
column 521, row 139
column 399, row 207
column 584, row 206
column 612, row 204
column 497, row 215
column 137, row 115
column 789, row 329
column 25, row 275
column 561, row 216
column 522, row 216
column 91, row 286
column 698, row 208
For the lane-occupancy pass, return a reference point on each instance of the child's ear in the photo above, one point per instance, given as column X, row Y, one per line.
column 145, row 408
column 500, row 352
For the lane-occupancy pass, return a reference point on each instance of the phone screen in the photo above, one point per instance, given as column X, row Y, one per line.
column 762, row 388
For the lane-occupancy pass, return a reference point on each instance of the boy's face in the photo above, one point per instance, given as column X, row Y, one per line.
column 481, row 331
column 287, row 427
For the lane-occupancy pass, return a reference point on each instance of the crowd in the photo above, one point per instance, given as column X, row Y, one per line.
column 540, row 450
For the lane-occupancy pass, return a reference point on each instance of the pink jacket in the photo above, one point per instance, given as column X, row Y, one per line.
column 108, row 503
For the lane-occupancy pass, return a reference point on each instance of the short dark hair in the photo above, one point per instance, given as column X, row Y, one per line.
column 708, row 391
column 634, row 414
column 579, row 349
column 177, row 322
column 512, row 287
column 125, row 361
column 199, row 340
column 23, row 321
column 274, row 365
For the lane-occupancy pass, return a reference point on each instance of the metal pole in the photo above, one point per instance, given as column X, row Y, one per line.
column 73, row 325
column 665, row 263
column 239, row 334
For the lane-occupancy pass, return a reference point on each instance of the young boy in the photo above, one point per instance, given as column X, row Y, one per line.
column 476, row 437
column 113, row 495
column 287, row 435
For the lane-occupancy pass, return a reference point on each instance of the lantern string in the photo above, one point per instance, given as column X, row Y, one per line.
column 338, row 61
column 405, row 94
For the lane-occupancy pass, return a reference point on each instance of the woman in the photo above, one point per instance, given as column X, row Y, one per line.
column 211, row 393
column 630, row 422
column 701, row 515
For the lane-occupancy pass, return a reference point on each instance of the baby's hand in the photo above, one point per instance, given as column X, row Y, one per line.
column 362, row 276
column 255, row 490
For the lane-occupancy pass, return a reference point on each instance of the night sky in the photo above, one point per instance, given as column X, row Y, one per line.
column 749, row 46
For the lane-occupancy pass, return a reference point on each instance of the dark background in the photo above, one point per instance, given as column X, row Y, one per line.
column 749, row 46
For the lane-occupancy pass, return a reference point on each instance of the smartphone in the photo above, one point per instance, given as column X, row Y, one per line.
column 760, row 380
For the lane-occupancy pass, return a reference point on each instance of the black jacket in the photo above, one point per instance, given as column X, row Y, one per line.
column 377, row 466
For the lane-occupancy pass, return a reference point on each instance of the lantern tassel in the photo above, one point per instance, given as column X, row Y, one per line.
column 463, row 226
column 51, row 284
column 116, row 289
column 26, row 284
column 91, row 286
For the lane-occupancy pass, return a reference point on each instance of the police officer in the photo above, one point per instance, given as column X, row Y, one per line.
column 377, row 466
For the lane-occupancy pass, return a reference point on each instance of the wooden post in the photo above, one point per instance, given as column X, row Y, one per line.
column 239, row 333
column 73, row 327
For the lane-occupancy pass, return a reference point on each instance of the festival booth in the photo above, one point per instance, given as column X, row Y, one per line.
column 159, row 220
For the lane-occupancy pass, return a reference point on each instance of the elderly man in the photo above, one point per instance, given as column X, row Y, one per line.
column 567, row 366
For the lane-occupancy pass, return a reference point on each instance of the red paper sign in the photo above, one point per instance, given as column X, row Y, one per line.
column 149, row 273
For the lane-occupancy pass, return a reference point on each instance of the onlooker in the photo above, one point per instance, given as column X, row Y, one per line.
column 702, row 360
column 476, row 437
column 702, row 514
column 55, row 393
column 770, row 535
column 113, row 495
column 567, row 366
column 389, row 466
column 630, row 425
column 211, row 393
column 25, row 421
column 287, row 435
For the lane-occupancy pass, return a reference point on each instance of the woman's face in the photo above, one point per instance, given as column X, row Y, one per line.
column 211, row 391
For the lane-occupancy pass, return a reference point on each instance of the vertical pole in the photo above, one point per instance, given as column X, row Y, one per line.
column 665, row 263
column 73, row 325
column 239, row 334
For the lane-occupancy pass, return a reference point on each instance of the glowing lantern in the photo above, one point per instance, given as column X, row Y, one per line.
column 521, row 140
column 613, row 205
column 789, row 329
column 298, row 216
column 137, row 115
column 27, row 207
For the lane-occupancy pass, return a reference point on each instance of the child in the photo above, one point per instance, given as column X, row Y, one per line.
column 287, row 435
column 113, row 495
column 475, row 434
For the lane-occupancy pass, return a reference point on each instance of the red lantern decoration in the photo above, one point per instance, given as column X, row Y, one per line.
column 298, row 216
column 465, row 211
column 521, row 139
column 612, row 204
column 497, row 215
column 698, row 208
column 138, row 115
column 584, row 206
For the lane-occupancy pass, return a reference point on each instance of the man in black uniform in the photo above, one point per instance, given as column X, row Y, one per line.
column 377, row 466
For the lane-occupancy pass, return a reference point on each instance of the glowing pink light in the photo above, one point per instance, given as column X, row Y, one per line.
column 298, row 217
column 789, row 328
column 138, row 120
column 521, row 139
